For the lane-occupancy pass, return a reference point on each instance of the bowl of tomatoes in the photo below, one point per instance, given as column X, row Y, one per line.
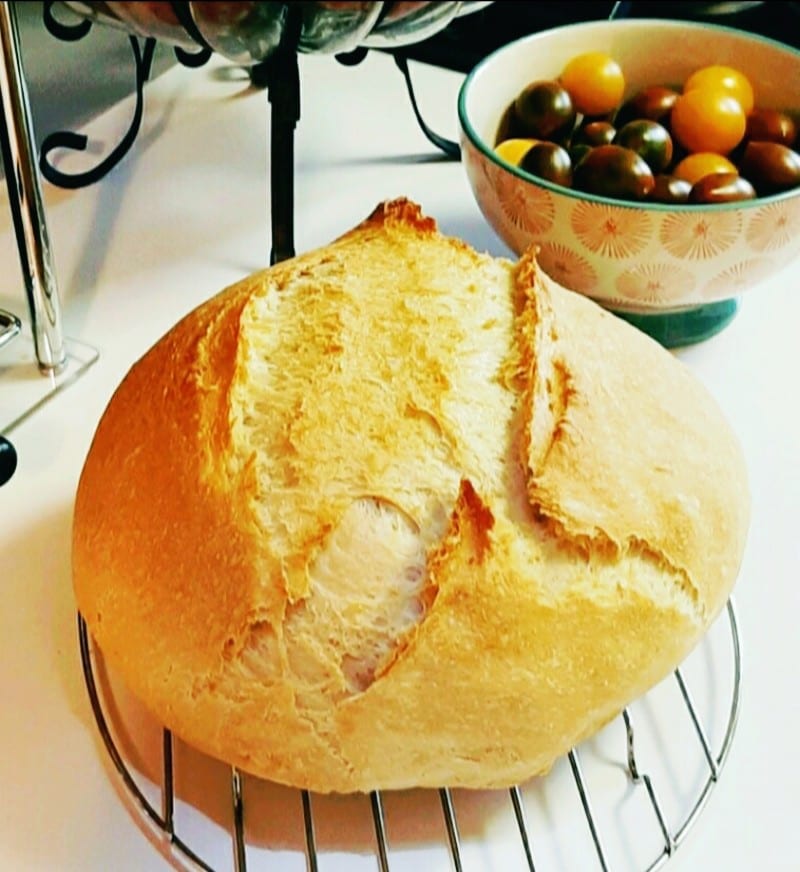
column 655, row 164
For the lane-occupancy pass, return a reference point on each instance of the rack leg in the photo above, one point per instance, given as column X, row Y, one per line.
column 281, row 76
column 26, row 202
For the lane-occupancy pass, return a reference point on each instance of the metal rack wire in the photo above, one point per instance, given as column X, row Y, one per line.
column 162, row 823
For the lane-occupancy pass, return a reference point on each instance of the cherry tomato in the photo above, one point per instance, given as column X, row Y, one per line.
column 594, row 133
column 548, row 161
column 544, row 110
column 704, row 120
column 513, row 150
column 771, row 167
column 653, row 103
column 578, row 151
column 695, row 166
column 769, row 125
column 614, row 171
column 669, row 189
column 649, row 140
column 509, row 126
column 594, row 81
column 721, row 188
column 721, row 78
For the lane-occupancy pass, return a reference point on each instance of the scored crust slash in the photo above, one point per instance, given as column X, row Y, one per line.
column 395, row 513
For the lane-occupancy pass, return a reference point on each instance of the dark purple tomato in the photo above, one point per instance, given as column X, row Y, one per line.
column 594, row 133
column 769, row 125
column 509, row 127
column 770, row 167
column 577, row 152
column 650, row 140
column 550, row 161
column 721, row 188
column 614, row 171
column 544, row 110
column 670, row 189
column 654, row 104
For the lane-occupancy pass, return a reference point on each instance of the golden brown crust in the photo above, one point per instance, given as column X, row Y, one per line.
column 610, row 475
column 361, row 519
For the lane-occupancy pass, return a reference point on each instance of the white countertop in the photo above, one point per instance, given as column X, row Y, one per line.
column 186, row 214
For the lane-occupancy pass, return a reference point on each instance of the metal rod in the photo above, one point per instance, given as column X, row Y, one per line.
column 633, row 768
column 380, row 830
column 281, row 73
column 452, row 150
column 105, row 732
column 698, row 727
column 168, row 801
column 519, row 814
column 308, row 823
column 736, row 700
column 239, row 853
column 452, row 828
column 642, row 778
column 733, row 719
column 574, row 763
column 26, row 202
column 669, row 841
column 150, row 815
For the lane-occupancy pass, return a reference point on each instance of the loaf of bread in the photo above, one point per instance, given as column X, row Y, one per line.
column 395, row 513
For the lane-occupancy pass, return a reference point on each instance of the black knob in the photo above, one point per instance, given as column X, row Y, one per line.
column 8, row 460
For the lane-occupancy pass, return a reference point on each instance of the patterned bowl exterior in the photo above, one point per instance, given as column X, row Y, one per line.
column 635, row 257
column 629, row 257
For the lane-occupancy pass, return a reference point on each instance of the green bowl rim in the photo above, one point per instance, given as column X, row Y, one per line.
column 693, row 208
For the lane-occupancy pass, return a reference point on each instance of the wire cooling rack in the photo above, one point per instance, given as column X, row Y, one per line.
column 684, row 737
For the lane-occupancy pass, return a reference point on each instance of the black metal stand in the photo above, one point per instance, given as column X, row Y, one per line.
column 284, row 97
column 280, row 75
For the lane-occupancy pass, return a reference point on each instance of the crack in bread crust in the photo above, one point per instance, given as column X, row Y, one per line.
column 548, row 411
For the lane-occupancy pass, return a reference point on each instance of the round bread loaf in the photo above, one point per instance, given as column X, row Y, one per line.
column 395, row 513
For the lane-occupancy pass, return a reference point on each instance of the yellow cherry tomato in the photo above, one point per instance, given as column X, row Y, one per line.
column 513, row 150
column 595, row 82
column 706, row 120
column 721, row 78
column 697, row 166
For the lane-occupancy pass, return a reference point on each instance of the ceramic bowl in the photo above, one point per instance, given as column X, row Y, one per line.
column 676, row 271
